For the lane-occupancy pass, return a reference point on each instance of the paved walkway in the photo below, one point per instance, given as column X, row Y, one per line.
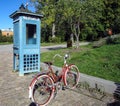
column 14, row 89
column 9, row 48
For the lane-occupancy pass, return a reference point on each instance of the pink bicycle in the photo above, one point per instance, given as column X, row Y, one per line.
column 44, row 86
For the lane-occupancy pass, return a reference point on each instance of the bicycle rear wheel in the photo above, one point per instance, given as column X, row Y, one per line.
column 72, row 77
column 42, row 90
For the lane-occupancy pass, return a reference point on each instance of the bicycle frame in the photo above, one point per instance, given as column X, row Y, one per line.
column 54, row 77
column 60, row 77
column 51, row 73
column 51, row 81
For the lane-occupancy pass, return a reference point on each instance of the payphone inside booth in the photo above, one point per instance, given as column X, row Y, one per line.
column 26, row 46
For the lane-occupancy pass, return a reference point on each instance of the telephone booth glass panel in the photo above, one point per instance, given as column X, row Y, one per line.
column 31, row 37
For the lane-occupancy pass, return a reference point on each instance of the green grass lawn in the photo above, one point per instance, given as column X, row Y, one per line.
column 5, row 43
column 103, row 62
column 50, row 44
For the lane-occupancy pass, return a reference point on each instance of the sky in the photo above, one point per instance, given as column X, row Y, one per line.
column 7, row 7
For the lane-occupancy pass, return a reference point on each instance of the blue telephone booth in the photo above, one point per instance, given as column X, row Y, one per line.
column 26, row 46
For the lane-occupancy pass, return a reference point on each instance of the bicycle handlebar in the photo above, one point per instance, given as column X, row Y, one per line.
column 57, row 55
column 66, row 56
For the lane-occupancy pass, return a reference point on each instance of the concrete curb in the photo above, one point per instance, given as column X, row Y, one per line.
column 108, row 86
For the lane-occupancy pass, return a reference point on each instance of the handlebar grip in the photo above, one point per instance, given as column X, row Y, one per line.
column 57, row 55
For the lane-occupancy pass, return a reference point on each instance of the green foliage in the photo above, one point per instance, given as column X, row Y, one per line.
column 113, row 40
column 112, row 15
column 0, row 33
column 88, row 19
column 117, row 40
column 54, row 39
column 6, row 39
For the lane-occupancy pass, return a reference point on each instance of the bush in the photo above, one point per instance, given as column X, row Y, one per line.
column 110, row 40
column 117, row 40
column 54, row 39
column 6, row 39
column 113, row 40
column 99, row 43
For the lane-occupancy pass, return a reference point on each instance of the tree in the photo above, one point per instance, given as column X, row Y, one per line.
column 72, row 10
column 85, row 19
column 76, row 20
column 0, row 35
column 48, row 9
column 93, row 14
column 112, row 15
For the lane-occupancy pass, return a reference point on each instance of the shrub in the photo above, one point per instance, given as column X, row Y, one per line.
column 109, row 40
column 113, row 40
column 6, row 38
column 54, row 39
column 117, row 40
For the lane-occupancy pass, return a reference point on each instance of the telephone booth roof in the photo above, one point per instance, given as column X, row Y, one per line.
column 24, row 12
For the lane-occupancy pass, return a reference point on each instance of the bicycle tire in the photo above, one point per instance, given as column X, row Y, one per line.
column 42, row 90
column 71, row 77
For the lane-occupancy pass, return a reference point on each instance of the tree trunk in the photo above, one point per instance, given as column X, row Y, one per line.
column 53, row 30
column 77, row 41
column 72, row 38
column 76, row 31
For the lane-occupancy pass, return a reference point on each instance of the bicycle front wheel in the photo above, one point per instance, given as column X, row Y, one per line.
column 71, row 76
column 42, row 90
